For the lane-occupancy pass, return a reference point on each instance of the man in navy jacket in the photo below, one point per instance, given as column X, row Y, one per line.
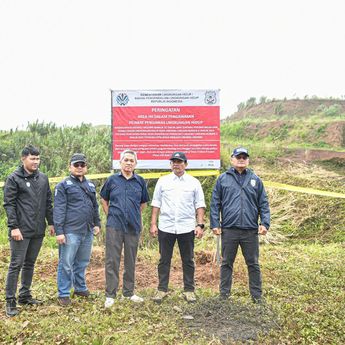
column 76, row 220
column 238, row 201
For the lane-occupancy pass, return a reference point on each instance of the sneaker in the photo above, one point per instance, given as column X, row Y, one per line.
column 189, row 296
column 84, row 294
column 108, row 302
column 64, row 301
column 11, row 308
column 159, row 296
column 30, row 301
column 136, row 299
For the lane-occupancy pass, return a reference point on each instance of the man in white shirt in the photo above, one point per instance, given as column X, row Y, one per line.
column 179, row 201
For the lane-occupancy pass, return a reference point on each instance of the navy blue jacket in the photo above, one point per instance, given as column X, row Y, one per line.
column 240, row 206
column 125, row 198
column 75, row 206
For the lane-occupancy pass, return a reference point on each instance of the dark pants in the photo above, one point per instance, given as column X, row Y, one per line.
column 166, row 247
column 115, row 240
column 23, row 257
column 249, row 243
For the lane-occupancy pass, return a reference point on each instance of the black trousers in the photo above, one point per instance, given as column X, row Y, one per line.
column 249, row 242
column 23, row 257
column 166, row 247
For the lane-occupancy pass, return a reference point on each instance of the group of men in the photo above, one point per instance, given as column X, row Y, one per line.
column 178, row 205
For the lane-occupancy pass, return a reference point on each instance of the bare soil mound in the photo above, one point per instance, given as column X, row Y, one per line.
column 206, row 272
column 231, row 321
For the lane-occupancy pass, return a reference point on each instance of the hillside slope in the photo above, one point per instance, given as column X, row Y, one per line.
column 292, row 123
column 292, row 107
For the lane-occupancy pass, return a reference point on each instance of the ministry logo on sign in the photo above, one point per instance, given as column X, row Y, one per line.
column 122, row 99
column 210, row 97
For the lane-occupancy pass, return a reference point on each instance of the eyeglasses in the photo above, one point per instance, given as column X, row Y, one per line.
column 79, row 165
column 241, row 157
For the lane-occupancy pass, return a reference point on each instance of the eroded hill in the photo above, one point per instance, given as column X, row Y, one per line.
column 300, row 124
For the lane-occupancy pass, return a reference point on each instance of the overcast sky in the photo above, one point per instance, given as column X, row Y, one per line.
column 59, row 59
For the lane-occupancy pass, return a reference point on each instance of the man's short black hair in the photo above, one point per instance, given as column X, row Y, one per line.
column 30, row 150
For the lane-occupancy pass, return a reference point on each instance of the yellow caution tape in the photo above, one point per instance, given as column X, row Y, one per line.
column 303, row 189
column 146, row 176
column 268, row 184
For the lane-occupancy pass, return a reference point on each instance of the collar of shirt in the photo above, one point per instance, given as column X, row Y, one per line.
column 180, row 178
column 77, row 179
column 233, row 170
column 133, row 176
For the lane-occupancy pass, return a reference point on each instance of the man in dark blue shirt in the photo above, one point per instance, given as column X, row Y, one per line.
column 238, row 200
column 124, row 195
column 76, row 218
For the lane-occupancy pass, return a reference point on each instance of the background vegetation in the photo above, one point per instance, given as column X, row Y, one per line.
column 301, row 257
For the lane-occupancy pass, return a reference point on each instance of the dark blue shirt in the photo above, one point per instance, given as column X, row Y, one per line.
column 125, row 197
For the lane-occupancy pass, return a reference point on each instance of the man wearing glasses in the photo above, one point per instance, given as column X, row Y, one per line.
column 238, row 200
column 76, row 220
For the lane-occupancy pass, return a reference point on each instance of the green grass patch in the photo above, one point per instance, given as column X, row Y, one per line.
column 303, row 285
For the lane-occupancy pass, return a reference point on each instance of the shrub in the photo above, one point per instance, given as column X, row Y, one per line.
column 251, row 102
column 241, row 106
column 333, row 110
column 278, row 109
column 263, row 99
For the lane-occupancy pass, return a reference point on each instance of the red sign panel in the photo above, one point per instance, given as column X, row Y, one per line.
column 157, row 125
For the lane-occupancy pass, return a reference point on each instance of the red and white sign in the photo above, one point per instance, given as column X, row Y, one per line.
column 156, row 123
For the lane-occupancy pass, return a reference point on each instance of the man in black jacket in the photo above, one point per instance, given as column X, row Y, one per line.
column 240, row 199
column 28, row 204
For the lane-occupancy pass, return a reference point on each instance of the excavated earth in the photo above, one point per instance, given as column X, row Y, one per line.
column 230, row 321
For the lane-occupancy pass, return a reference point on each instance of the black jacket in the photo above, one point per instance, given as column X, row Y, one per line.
column 28, row 202
column 240, row 206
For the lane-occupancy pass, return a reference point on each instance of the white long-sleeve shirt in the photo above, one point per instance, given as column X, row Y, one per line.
column 178, row 198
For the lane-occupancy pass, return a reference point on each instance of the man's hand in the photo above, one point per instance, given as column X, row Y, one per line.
column 217, row 231
column 154, row 230
column 96, row 230
column 61, row 239
column 198, row 232
column 262, row 230
column 51, row 230
column 16, row 235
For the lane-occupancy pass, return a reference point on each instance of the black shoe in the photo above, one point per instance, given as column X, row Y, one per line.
column 224, row 296
column 64, row 301
column 257, row 300
column 30, row 301
column 84, row 294
column 11, row 309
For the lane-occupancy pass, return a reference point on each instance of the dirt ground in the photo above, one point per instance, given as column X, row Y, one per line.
column 206, row 273
column 230, row 321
